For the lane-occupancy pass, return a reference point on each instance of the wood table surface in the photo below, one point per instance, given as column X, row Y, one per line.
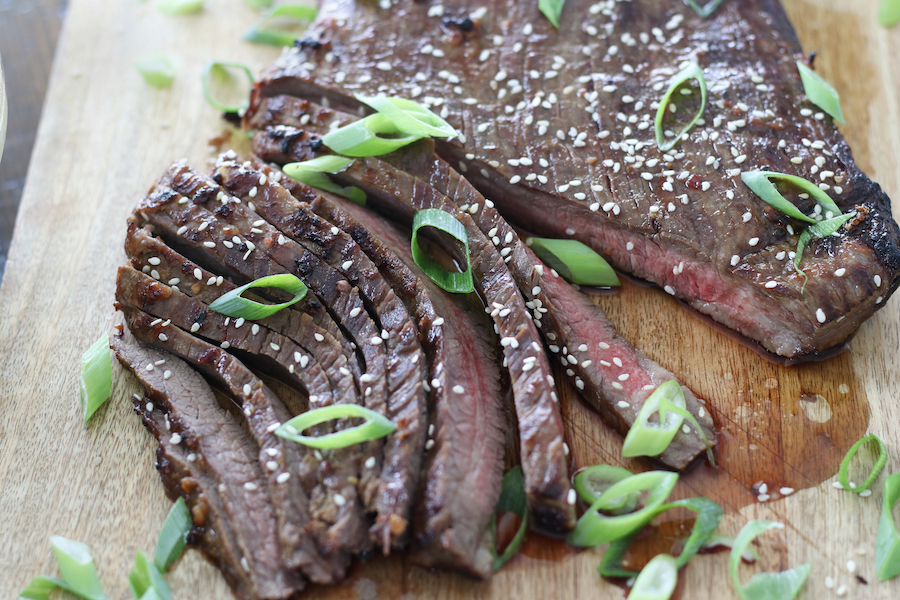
column 103, row 139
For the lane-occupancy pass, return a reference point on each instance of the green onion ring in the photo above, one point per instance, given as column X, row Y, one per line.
column 764, row 586
column 692, row 71
column 887, row 541
column 889, row 13
column 365, row 137
column 657, row 580
column 876, row 470
column 179, row 7
column 95, row 382
column 233, row 304
column 709, row 514
column 145, row 575
column 79, row 576
column 272, row 37
column 376, row 426
column 157, row 68
column 820, row 92
column 705, row 10
column 594, row 528
column 311, row 173
column 574, row 261
column 591, row 482
column 552, row 9
column 512, row 499
column 760, row 183
column 410, row 117
column 457, row 283
column 221, row 69
column 173, row 535
column 651, row 439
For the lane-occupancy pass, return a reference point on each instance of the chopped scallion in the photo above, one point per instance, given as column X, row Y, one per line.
column 889, row 12
column 876, row 469
column 819, row 230
column 173, row 535
column 233, row 304
column 574, row 261
column 552, row 9
column 887, row 541
column 593, row 481
column 704, row 10
column 180, row 7
column 760, row 183
column 657, row 580
column 594, row 528
column 764, row 586
column 458, row 283
column 220, row 75
column 410, row 117
column 512, row 499
column 820, row 92
column 144, row 576
column 260, row 34
column 692, row 71
column 79, row 576
column 156, row 68
column 311, row 172
column 368, row 137
column 95, row 383
column 376, row 426
column 709, row 514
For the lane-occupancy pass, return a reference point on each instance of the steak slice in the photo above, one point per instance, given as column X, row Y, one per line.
column 205, row 456
column 307, row 323
column 543, row 448
column 464, row 466
column 561, row 122
column 555, row 305
column 293, row 466
column 406, row 364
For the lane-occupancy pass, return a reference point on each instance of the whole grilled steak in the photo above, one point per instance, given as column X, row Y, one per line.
column 558, row 130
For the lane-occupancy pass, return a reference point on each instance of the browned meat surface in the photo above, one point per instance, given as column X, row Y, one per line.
column 557, row 130
column 205, row 456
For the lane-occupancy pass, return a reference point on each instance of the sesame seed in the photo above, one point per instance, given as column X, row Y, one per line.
column 829, row 582
column 851, row 566
column 347, row 264
column 603, row 346
column 250, row 486
column 622, row 404
column 753, row 241
column 429, row 444
column 370, row 462
column 820, row 315
column 669, row 290
column 841, row 591
column 458, row 389
column 877, row 280
column 786, row 491
column 375, row 340
column 617, row 385
column 175, row 439
column 167, row 374
column 198, row 274
column 571, row 497
column 274, row 346
column 865, row 493
column 771, row 284
column 255, row 329
column 247, row 389
column 163, row 337
column 840, row 272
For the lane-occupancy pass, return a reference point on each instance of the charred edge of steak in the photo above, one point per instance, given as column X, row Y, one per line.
column 542, row 439
column 465, row 464
column 264, row 413
column 246, row 543
column 405, row 360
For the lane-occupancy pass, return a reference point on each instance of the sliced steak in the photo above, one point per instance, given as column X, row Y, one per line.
column 307, row 323
column 206, row 457
column 406, row 364
column 465, row 462
column 543, row 448
column 289, row 468
column 560, row 122
column 554, row 304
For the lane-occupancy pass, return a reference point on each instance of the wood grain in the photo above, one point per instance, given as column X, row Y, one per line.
column 105, row 136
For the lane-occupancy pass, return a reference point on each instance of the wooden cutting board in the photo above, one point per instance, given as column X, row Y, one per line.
column 105, row 136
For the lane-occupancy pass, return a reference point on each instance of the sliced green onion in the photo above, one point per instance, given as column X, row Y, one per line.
column 760, row 183
column 709, row 514
column 692, row 71
column 366, row 137
column 457, row 283
column 95, row 382
column 258, row 34
column 144, row 576
column 552, row 9
column 40, row 588
column 233, row 304
column 512, row 499
column 591, row 482
column 410, row 117
column 657, row 580
column 820, row 92
column 173, row 535
column 819, row 230
column 311, row 172
column 887, row 541
column 594, row 528
column 764, row 586
column 876, row 470
column 574, row 261
column 219, row 71
column 889, row 12
column 79, row 576
column 651, row 439
column 705, row 10
column 157, row 69
column 180, row 7
column 376, row 426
